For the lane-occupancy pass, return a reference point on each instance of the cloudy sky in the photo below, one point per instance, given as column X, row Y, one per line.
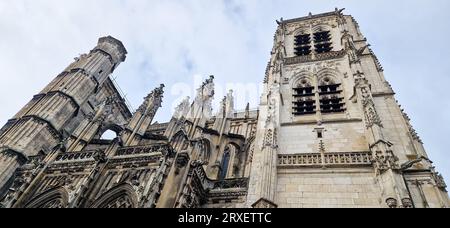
column 175, row 42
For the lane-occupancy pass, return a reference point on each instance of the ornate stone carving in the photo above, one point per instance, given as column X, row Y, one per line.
column 270, row 139
column 152, row 102
column 181, row 161
column 385, row 161
column 407, row 203
column 100, row 156
column 182, row 109
column 231, row 183
column 439, row 180
column 392, row 203
column 263, row 203
column 411, row 129
column 372, row 117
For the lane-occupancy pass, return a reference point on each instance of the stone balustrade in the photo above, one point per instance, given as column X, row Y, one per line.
column 325, row 160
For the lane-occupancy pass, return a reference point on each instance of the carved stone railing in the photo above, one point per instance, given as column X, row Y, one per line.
column 209, row 184
column 137, row 150
column 317, row 57
column 75, row 156
column 231, row 183
column 325, row 160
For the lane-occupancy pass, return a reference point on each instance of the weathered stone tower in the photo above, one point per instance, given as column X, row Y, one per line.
column 330, row 132
column 51, row 116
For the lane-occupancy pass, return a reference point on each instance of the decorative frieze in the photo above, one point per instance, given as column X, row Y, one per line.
column 317, row 57
column 139, row 150
column 328, row 159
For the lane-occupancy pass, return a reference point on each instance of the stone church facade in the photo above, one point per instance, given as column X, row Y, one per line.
column 328, row 133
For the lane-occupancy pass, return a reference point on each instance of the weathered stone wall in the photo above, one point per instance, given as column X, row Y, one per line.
column 337, row 137
column 327, row 188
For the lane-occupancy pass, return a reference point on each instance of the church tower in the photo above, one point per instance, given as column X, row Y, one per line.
column 330, row 132
column 52, row 115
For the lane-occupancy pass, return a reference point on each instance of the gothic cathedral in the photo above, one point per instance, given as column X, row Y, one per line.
column 328, row 133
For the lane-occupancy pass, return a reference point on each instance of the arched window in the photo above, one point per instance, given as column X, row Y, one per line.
column 322, row 39
column 322, row 42
column 180, row 142
column 122, row 196
column 330, row 96
column 55, row 198
column 205, row 150
column 225, row 164
column 109, row 135
column 304, row 102
column 108, row 131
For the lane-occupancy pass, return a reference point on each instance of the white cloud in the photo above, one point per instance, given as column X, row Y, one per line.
column 170, row 41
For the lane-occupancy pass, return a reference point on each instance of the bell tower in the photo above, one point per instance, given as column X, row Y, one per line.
column 330, row 132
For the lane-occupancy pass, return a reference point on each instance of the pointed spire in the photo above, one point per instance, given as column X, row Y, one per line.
column 206, row 91
column 226, row 106
column 153, row 101
column 247, row 111
column 182, row 109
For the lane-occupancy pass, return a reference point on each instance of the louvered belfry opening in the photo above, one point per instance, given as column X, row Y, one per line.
column 331, row 100
column 304, row 102
column 303, row 45
column 322, row 42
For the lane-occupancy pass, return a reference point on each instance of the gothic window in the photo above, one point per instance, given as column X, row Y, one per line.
column 322, row 42
column 204, row 150
column 180, row 142
column 109, row 135
column 54, row 198
column 303, row 45
column 121, row 196
column 330, row 96
column 225, row 164
column 304, row 102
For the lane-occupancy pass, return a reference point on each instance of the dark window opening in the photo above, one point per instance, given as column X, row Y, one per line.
column 322, row 36
column 303, row 45
column 329, row 89
column 302, row 51
column 331, row 104
column 304, row 102
column 302, row 92
column 322, row 42
column 304, row 106
column 225, row 164
column 319, row 134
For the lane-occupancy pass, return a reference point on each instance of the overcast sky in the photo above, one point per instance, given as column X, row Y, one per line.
column 172, row 41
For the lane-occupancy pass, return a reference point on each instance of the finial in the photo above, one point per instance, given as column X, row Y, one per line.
column 279, row 22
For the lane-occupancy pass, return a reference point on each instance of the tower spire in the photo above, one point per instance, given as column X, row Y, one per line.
column 143, row 117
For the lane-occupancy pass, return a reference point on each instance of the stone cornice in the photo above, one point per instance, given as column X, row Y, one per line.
column 315, row 16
